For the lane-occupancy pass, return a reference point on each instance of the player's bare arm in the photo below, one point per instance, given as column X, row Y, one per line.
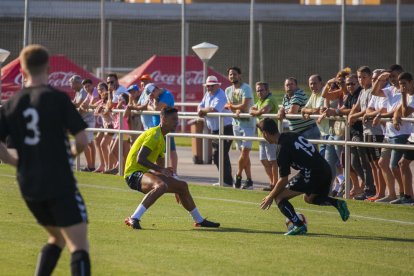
column 279, row 187
column 142, row 158
column 6, row 157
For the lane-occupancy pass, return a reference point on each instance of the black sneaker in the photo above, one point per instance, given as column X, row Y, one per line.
column 248, row 185
column 361, row 197
column 207, row 223
column 237, row 183
column 133, row 223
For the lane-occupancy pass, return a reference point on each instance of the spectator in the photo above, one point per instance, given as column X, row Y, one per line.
column 142, row 105
column 314, row 106
column 405, row 81
column 379, row 105
column 38, row 120
column 160, row 98
column 240, row 100
column 134, row 120
column 399, row 133
column 266, row 104
column 89, row 119
column 114, row 87
column 370, row 133
column 75, row 83
column 293, row 102
column 214, row 101
column 103, row 142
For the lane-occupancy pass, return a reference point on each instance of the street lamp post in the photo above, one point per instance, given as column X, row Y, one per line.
column 4, row 54
column 205, row 51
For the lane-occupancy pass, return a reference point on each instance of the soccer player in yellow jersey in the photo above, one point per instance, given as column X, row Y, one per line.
column 144, row 172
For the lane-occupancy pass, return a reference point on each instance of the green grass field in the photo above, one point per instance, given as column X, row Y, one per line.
column 377, row 239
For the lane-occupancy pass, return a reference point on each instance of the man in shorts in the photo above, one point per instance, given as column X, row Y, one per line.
column 313, row 180
column 144, row 172
column 37, row 119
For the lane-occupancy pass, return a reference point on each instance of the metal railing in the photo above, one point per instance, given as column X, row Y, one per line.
column 191, row 115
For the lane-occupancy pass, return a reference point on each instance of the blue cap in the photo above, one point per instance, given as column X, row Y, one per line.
column 133, row 87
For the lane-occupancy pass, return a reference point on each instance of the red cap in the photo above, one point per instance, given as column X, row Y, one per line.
column 146, row 77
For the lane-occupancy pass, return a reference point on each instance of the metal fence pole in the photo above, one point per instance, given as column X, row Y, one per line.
column 103, row 38
column 183, row 61
column 167, row 160
column 120, row 145
column 26, row 23
column 398, row 33
column 347, row 161
column 262, row 78
column 221, row 152
column 251, row 48
column 205, row 141
column 343, row 36
column 109, row 45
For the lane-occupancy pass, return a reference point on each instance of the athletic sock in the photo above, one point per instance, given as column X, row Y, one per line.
column 196, row 215
column 139, row 212
column 287, row 209
column 48, row 259
column 80, row 263
column 325, row 201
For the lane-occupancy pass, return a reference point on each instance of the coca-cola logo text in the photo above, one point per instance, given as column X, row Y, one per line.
column 191, row 78
column 56, row 79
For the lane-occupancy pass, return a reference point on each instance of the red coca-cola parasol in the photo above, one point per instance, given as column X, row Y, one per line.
column 61, row 70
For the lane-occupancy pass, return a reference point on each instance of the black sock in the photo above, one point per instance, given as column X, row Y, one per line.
column 80, row 263
column 323, row 200
column 287, row 209
column 48, row 259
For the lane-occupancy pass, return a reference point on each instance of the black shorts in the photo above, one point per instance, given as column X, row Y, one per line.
column 134, row 180
column 409, row 154
column 62, row 211
column 311, row 182
column 373, row 153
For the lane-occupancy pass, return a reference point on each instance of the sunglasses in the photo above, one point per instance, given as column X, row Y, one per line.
column 260, row 90
column 350, row 84
column 110, row 82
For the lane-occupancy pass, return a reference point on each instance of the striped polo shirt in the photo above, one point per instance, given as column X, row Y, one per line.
column 299, row 98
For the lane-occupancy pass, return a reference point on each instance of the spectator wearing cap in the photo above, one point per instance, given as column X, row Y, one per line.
column 215, row 101
column 134, row 119
column 144, row 80
column 160, row 98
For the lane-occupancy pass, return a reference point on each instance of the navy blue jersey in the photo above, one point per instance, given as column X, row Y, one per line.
column 296, row 152
column 37, row 120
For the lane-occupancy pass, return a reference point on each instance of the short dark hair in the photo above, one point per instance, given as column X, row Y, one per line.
column 364, row 69
column 292, row 79
column 317, row 76
column 34, row 59
column 351, row 76
column 113, row 75
column 396, row 67
column 235, row 68
column 264, row 84
column 85, row 81
column 268, row 125
column 168, row 110
column 405, row 76
column 102, row 84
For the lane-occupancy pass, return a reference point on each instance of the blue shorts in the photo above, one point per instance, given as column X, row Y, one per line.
column 397, row 154
column 244, row 131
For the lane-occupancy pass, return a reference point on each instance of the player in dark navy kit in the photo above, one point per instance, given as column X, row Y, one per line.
column 313, row 180
column 37, row 120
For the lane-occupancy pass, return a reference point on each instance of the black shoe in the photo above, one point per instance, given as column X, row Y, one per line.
column 207, row 223
column 237, row 183
column 86, row 169
column 361, row 197
column 248, row 185
column 133, row 223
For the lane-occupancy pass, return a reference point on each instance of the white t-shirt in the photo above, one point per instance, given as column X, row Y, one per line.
column 378, row 103
column 118, row 93
column 394, row 99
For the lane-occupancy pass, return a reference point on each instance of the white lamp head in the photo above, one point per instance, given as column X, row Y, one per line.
column 205, row 51
column 4, row 54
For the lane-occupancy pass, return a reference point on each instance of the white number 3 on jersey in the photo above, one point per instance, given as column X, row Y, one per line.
column 305, row 146
column 34, row 137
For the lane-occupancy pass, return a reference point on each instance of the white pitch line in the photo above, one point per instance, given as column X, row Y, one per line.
column 241, row 202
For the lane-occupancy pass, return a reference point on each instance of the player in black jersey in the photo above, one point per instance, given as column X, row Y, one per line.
column 37, row 120
column 313, row 180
